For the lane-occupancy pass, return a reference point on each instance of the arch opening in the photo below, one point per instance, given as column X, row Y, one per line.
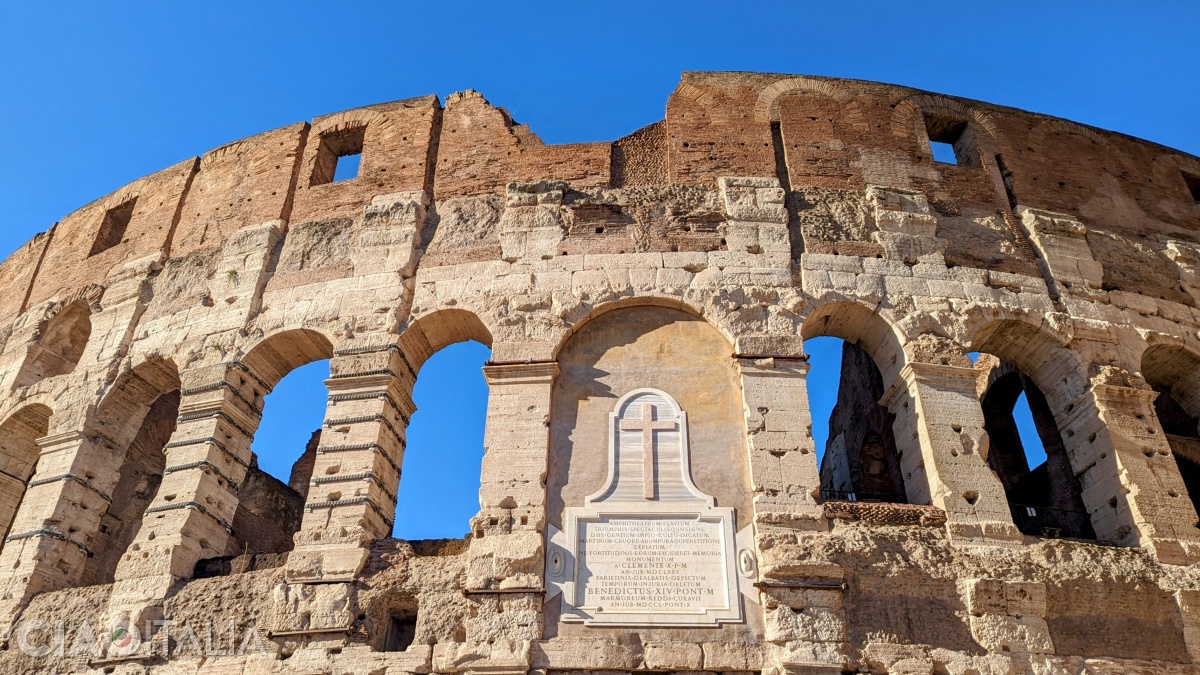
column 288, row 370
column 136, row 419
column 140, row 477
column 439, row 490
column 1027, row 453
column 1174, row 373
column 19, row 453
column 59, row 346
column 856, row 447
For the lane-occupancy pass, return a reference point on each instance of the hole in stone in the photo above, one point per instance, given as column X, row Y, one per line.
column 401, row 630
column 852, row 434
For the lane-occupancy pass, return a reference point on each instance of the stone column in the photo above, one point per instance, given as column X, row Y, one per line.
column 801, row 600
column 508, row 546
column 783, row 462
column 47, row 546
column 943, row 449
column 1131, row 485
column 192, row 514
column 352, row 492
column 505, row 561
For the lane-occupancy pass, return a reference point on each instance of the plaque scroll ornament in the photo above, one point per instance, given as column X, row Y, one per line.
column 649, row 548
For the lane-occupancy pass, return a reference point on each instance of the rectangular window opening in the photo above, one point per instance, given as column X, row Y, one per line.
column 112, row 228
column 1193, row 183
column 401, row 630
column 339, row 156
column 943, row 152
column 951, row 141
column 346, row 167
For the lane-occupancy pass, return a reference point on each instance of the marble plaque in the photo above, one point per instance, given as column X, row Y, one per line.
column 649, row 548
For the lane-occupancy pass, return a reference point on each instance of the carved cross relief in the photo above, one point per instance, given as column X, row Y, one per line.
column 649, row 548
column 647, row 425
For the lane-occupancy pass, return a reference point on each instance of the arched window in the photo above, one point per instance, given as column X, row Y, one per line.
column 1027, row 453
column 292, row 366
column 19, row 453
column 271, row 498
column 128, row 432
column 439, row 491
column 852, row 431
column 141, row 474
column 59, row 346
column 1174, row 373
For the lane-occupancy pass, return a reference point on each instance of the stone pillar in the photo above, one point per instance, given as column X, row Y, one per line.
column 1066, row 258
column 505, row 561
column 1131, row 484
column 758, row 219
column 801, row 599
column 47, row 546
column 352, row 494
column 508, row 547
column 943, row 450
column 783, row 462
column 192, row 514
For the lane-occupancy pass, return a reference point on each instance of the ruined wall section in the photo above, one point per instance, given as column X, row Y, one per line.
column 773, row 208
column 820, row 136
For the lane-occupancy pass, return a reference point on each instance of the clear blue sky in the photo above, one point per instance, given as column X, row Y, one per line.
column 94, row 95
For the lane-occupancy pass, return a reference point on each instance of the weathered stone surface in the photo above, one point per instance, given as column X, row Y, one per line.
column 139, row 337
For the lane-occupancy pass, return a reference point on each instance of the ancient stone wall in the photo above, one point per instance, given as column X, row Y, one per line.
column 684, row 264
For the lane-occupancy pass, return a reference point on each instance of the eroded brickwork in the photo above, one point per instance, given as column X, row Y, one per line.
column 695, row 255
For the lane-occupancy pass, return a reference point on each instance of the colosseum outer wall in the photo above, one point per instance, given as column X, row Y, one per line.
column 676, row 271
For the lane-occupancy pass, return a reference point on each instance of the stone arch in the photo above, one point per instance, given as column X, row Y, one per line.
column 857, row 323
column 19, row 452
column 862, row 460
column 437, row 330
column 668, row 302
column 1039, row 133
column 908, row 112
column 58, row 344
column 766, row 108
column 137, row 417
column 270, row 510
column 1173, row 371
column 280, row 353
column 640, row 345
column 349, row 119
column 692, row 92
column 1045, row 499
column 1054, row 368
column 1024, row 358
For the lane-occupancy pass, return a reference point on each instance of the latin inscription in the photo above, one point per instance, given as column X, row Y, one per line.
column 640, row 564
